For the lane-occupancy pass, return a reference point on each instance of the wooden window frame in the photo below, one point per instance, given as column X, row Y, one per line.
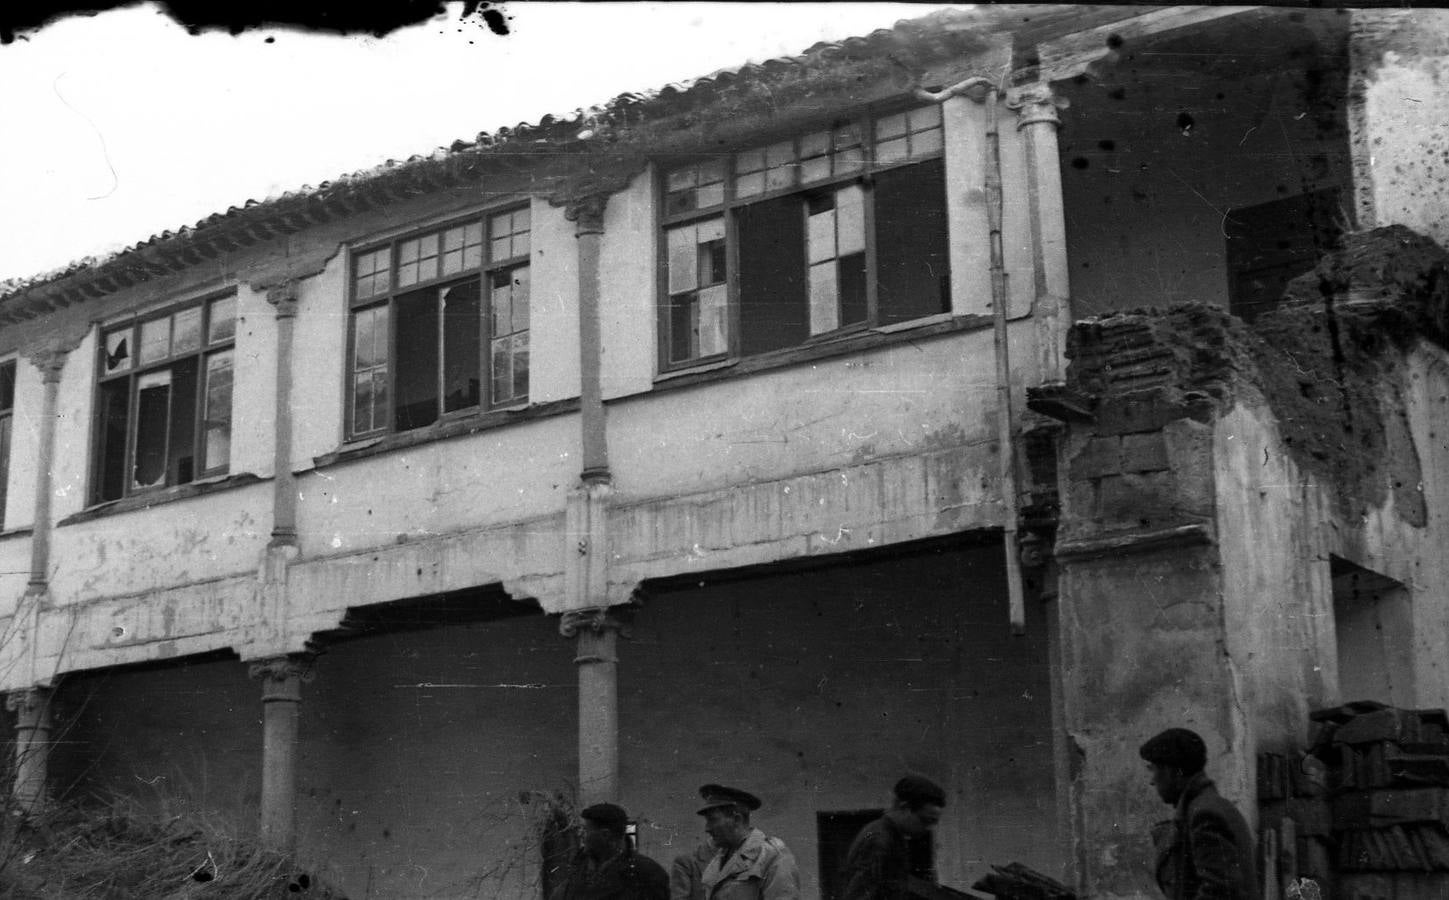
column 731, row 204
column 205, row 350
column 9, row 372
column 482, row 274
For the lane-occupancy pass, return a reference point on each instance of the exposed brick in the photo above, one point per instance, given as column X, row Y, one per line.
column 1101, row 456
column 1146, row 411
column 1144, row 452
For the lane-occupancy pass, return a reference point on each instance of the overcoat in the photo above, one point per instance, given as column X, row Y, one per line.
column 763, row 868
column 1206, row 852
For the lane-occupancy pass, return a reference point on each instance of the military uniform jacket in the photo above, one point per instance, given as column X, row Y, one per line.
column 763, row 868
column 1206, row 852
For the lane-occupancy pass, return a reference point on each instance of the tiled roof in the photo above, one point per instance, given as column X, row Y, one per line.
column 260, row 220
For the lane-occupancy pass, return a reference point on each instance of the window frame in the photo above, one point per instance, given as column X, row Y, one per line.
column 482, row 274
column 7, row 423
column 205, row 350
column 865, row 121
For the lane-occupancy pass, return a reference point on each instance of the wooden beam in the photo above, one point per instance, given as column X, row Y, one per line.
column 1070, row 55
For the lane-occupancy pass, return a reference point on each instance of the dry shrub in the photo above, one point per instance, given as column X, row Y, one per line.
column 114, row 852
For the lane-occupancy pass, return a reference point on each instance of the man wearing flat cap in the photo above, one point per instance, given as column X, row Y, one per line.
column 878, row 865
column 748, row 865
column 606, row 867
column 1206, row 852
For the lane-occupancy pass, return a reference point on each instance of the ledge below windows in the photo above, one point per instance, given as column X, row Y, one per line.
column 447, row 428
column 16, row 532
column 156, row 498
column 820, row 348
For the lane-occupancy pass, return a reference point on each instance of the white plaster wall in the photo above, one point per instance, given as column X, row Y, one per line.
column 24, row 444
column 1019, row 254
column 75, row 403
column 1411, row 555
column 1277, row 596
column 554, row 310
column 900, row 399
column 434, row 489
column 1400, row 66
column 193, row 540
column 319, row 357
column 254, row 385
column 627, row 290
column 14, row 574
column 964, row 122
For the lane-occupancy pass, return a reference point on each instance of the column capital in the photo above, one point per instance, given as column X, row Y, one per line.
column 50, row 363
column 282, row 676
column 596, row 620
column 587, row 213
column 1035, row 104
column 28, row 701
column 283, row 298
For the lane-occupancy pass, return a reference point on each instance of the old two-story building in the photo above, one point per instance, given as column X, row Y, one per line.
column 741, row 432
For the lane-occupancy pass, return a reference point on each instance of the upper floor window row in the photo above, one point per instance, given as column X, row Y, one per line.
column 843, row 228
column 163, row 411
column 439, row 324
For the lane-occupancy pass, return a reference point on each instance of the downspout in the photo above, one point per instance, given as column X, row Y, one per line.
column 1006, row 419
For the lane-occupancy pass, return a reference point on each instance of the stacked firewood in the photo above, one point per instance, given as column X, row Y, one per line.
column 1388, row 775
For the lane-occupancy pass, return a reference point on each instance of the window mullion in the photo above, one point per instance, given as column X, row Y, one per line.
column 871, row 286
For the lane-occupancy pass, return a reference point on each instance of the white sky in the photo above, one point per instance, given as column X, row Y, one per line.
column 121, row 125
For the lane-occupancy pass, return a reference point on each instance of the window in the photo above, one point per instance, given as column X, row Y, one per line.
column 164, row 406
column 843, row 228
column 1270, row 244
column 440, row 324
column 7, row 409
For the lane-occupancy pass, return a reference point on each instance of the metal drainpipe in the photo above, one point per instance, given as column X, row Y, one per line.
column 1006, row 419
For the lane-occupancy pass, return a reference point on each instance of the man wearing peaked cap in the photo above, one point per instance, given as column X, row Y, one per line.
column 748, row 865
column 606, row 867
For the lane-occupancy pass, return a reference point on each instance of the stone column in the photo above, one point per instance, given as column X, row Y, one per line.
column 596, row 631
column 32, row 746
column 1036, row 106
column 587, row 214
column 282, row 678
column 50, row 364
column 283, row 298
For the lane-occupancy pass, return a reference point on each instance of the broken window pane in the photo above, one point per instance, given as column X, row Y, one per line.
column 153, row 419
column 111, row 449
column 118, row 352
column 415, row 331
column 462, row 347
column 912, row 257
column 773, row 306
column 217, row 415
column 824, row 301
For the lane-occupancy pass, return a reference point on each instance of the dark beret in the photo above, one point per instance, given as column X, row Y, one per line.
column 607, row 815
column 1178, row 748
column 716, row 795
column 918, row 790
